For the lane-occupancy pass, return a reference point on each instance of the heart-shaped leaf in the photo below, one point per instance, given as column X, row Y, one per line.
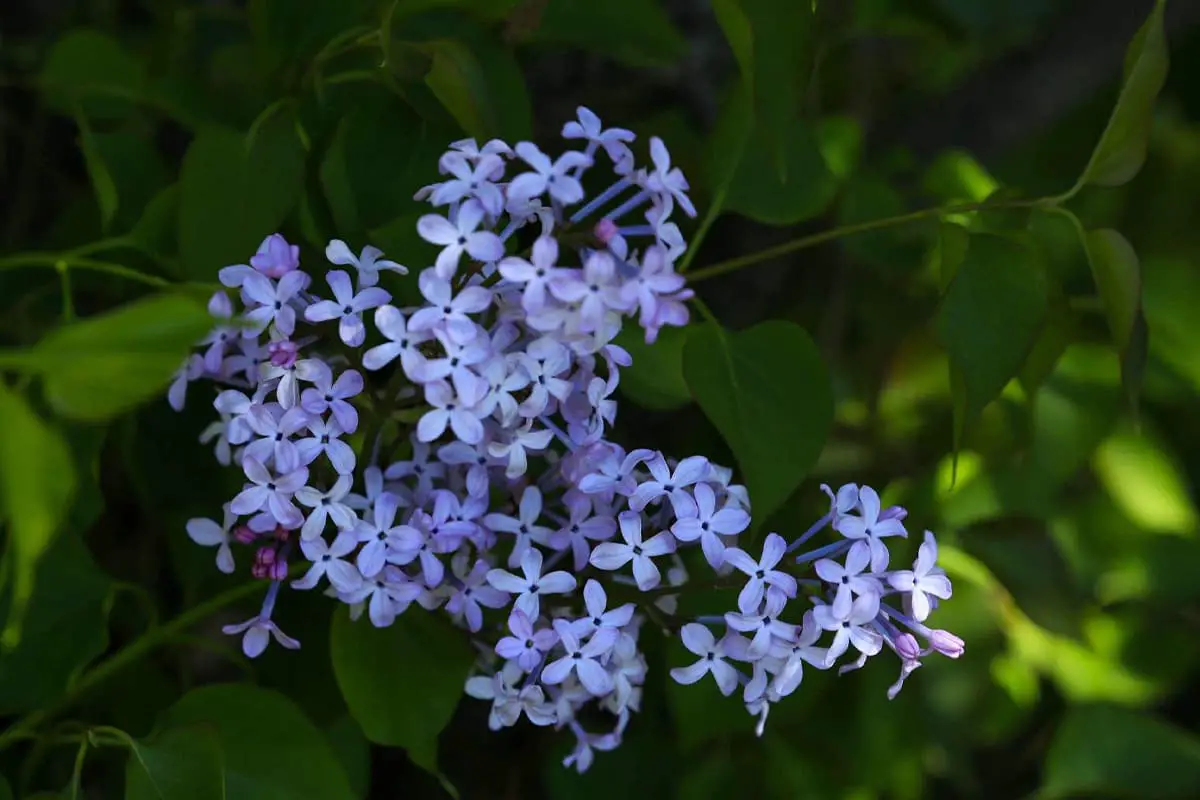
column 766, row 391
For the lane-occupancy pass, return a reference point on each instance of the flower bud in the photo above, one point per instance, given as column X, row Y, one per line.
column 283, row 354
column 946, row 643
column 243, row 534
column 275, row 257
column 907, row 646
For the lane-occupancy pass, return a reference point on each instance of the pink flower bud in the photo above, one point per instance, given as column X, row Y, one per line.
column 605, row 230
column 895, row 512
column 283, row 354
column 946, row 643
column 278, row 570
column 275, row 257
column 243, row 534
column 264, row 561
column 907, row 646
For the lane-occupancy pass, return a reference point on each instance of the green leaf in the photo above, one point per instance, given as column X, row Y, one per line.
column 1020, row 552
column 137, row 171
column 1113, row 751
column 1121, row 150
column 774, row 187
column 381, row 154
column 6, row 792
column 655, row 378
column 37, row 482
column 1057, row 333
column 636, row 32
column 271, row 750
column 481, row 85
column 353, row 752
column 98, row 172
column 771, row 40
column 766, row 390
column 178, row 762
column 234, row 193
column 374, row 666
column 1118, row 276
column 64, row 627
column 294, row 31
column 88, row 70
column 156, row 228
column 102, row 366
column 990, row 316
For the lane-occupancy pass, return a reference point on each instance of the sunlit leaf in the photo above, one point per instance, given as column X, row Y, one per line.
column 1122, row 147
column 1118, row 277
column 37, row 481
column 766, row 390
column 101, row 366
column 1146, row 482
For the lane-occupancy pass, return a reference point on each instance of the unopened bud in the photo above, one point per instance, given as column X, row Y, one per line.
column 946, row 643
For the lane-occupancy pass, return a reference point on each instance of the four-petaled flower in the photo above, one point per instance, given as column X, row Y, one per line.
column 699, row 640
column 460, row 236
column 923, row 580
column 533, row 585
column 525, row 645
column 582, row 659
column 369, row 264
column 614, row 555
column 762, row 573
column 347, row 307
column 328, row 563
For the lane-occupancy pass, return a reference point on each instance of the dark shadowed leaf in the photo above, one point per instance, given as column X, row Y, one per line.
column 99, row 174
column 99, row 367
column 37, row 482
column 481, row 86
column 64, row 628
column 235, row 193
column 1122, row 147
column 1118, row 276
column 271, row 750
column 353, row 752
column 1107, row 751
column 401, row 682
column 92, row 72
column 177, row 762
column 655, row 379
column 767, row 392
column 637, row 32
column 990, row 316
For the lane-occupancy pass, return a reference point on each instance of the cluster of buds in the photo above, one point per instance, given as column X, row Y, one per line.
column 506, row 506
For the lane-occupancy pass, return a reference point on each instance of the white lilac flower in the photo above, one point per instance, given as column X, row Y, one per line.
column 764, row 624
column 404, row 343
column 446, row 310
column 276, row 257
column 870, row 527
column 548, row 177
column 368, row 264
column 762, row 573
column 582, row 659
column 582, row 527
column 457, row 365
column 328, row 395
column 327, row 506
column 535, row 274
column 594, row 288
column 795, row 654
column 615, row 141
column 275, row 428
column 325, row 440
column 327, row 563
column 380, row 534
column 848, row 580
column 460, row 413
column 923, row 580
column 387, row 594
column 272, row 493
column 347, row 307
column 598, row 614
column 289, row 372
column 613, row 555
column 191, row 369
column 422, row 467
column 509, row 700
column 699, row 640
column 514, row 449
column 224, row 332
column 851, row 627
column 581, row 757
column 647, row 290
column 667, row 182
column 526, row 646
column 209, row 534
column 503, row 378
column 273, row 302
column 471, row 180
column 664, row 482
column 533, row 584
column 524, row 527
column 697, row 517
column 257, row 633
column 458, row 236
column 471, row 592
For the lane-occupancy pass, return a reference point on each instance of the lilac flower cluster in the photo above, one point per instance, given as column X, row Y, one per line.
column 506, row 506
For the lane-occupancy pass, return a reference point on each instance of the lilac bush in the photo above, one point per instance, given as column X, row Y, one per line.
column 507, row 507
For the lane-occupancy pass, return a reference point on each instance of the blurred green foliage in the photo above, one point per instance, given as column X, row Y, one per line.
column 1011, row 347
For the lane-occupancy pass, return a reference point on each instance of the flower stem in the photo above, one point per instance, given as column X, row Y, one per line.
column 130, row 654
column 734, row 264
column 62, row 262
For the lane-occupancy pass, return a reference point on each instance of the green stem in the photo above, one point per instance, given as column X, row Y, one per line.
column 130, row 654
column 734, row 264
column 53, row 261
